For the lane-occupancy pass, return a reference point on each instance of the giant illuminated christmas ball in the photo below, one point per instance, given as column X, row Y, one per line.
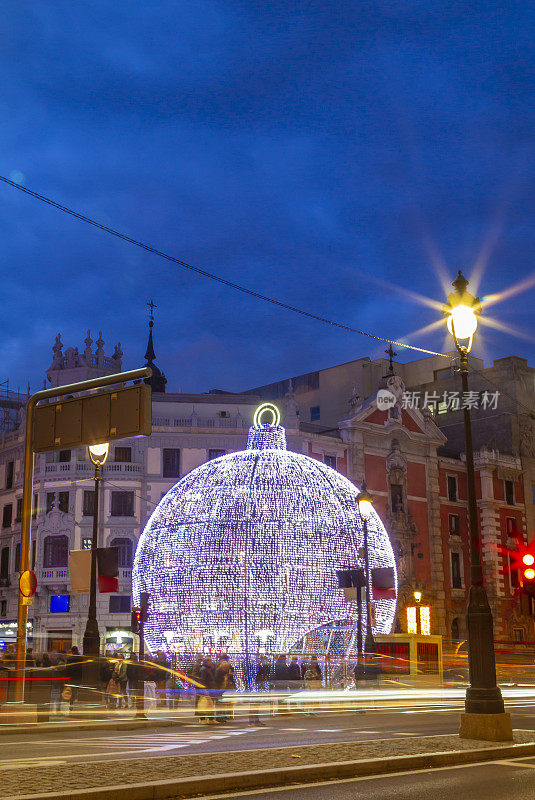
column 242, row 553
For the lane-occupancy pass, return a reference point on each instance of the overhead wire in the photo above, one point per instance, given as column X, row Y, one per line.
column 212, row 276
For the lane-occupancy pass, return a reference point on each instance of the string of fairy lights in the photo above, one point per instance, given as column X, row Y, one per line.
column 241, row 554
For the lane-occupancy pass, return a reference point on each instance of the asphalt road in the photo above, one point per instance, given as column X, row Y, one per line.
column 496, row 780
column 82, row 746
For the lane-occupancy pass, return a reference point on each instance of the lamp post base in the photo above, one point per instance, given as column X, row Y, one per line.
column 486, row 727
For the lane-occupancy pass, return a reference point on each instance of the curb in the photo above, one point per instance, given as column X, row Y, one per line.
column 123, row 724
column 306, row 773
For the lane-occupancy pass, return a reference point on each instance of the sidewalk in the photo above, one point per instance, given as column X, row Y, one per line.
column 187, row 775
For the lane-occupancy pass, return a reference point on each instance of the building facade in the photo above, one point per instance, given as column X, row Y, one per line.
column 187, row 430
column 410, row 455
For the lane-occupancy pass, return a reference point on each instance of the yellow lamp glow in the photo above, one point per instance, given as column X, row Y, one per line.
column 417, row 596
column 411, row 620
column 365, row 508
column 463, row 320
column 98, row 453
column 529, row 574
column 425, row 620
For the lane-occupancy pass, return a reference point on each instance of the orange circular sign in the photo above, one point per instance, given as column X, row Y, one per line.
column 27, row 583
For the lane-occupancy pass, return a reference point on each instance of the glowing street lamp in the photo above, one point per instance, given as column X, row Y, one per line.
column 365, row 504
column 484, row 716
column 98, row 453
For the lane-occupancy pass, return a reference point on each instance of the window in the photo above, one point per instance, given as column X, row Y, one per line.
column 7, row 515
column 330, row 461
column 171, row 462
column 454, row 525
column 456, row 580
column 122, row 504
column 314, row 413
column 119, row 604
column 216, row 454
column 88, row 507
column 34, row 507
column 34, row 543
column 17, row 557
column 63, row 502
column 50, row 501
column 509, row 493
column 452, row 488
column 223, row 414
column 10, row 466
column 125, row 552
column 123, row 454
column 514, row 576
column 4, row 562
column 59, row 603
column 455, row 629
column 533, row 493
column 518, row 634
column 396, row 496
column 87, row 541
column 56, row 551
column 3, row 608
column 64, row 456
column 18, row 516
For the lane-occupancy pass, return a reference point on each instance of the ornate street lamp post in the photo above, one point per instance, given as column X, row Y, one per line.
column 98, row 453
column 365, row 504
column 484, row 716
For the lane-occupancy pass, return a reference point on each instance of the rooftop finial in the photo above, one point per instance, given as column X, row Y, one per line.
column 391, row 353
column 158, row 380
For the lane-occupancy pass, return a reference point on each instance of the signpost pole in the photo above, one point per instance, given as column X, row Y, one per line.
column 56, row 391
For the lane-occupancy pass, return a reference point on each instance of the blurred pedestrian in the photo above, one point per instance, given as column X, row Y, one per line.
column 195, row 674
column 161, row 678
column 74, row 665
column 132, row 678
column 206, row 706
column 281, row 673
column 120, row 675
column 294, row 674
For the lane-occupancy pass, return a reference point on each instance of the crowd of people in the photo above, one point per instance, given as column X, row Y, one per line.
column 123, row 680
column 212, row 679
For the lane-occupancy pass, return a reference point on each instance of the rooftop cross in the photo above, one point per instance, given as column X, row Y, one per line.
column 152, row 305
column 390, row 353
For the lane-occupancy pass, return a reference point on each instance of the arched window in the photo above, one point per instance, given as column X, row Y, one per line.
column 125, row 552
column 56, row 551
column 455, row 629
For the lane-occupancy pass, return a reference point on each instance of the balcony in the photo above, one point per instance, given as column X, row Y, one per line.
column 74, row 469
column 54, row 575
column 199, row 422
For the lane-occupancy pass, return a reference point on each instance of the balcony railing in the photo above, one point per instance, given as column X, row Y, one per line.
column 54, row 575
column 75, row 468
column 199, row 422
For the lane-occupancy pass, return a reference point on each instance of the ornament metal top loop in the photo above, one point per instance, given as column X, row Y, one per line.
column 269, row 408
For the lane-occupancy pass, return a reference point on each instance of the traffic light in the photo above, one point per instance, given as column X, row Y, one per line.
column 135, row 620
column 528, row 571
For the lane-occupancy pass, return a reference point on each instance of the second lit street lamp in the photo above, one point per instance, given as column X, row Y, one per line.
column 484, row 716
column 365, row 503
column 98, row 453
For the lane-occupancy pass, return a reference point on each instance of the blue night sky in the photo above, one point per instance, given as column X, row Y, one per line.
column 321, row 153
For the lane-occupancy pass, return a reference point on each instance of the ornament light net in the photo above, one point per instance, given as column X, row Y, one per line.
column 241, row 554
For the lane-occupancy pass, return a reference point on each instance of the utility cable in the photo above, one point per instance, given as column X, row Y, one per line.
column 218, row 278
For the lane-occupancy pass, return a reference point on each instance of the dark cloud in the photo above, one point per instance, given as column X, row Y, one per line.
column 304, row 150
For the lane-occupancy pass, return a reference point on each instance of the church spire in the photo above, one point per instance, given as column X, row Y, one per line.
column 158, row 380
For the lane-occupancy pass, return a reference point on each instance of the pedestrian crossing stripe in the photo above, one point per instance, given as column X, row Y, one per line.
column 159, row 739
